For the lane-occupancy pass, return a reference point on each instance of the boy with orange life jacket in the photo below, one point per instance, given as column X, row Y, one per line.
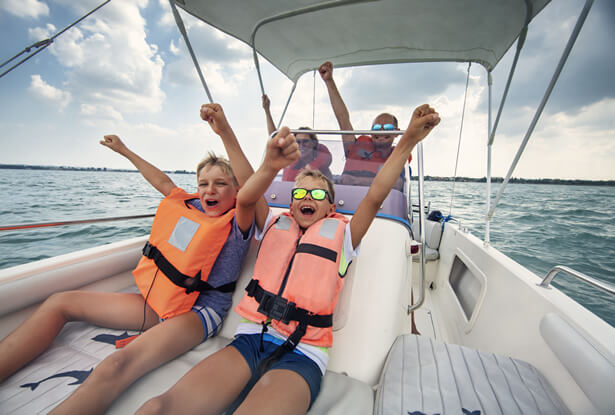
column 281, row 345
column 186, row 277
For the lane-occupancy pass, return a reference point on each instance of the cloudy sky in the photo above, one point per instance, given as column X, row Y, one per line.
column 125, row 70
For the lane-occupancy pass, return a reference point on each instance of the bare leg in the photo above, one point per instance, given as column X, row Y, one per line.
column 264, row 398
column 113, row 375
column 113, row 310
column 208, row 388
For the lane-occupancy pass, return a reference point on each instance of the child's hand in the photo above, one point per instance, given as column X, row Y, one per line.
column 266, row 102
column 326, row 71
column 282, row 150
column 424, row 119
column 214, row 115
column 114, row 143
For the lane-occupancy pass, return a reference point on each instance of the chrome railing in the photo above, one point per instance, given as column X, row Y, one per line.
column 70, row 222
column 586, row 278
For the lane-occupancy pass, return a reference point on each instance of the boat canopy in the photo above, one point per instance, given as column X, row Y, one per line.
column 296, row 36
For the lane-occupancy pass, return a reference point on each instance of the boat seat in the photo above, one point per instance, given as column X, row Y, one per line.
column 425, row 376
column 59, row 370
column 433, row 235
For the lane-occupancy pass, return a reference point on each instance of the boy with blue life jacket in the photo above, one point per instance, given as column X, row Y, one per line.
column 186, row 277
column 280, row 350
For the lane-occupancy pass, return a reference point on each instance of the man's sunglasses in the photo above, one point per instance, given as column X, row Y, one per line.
column 386, row 127
column 299, row 193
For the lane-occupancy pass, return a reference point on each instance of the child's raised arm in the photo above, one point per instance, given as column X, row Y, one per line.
column 268, row 117
column 282, row 151
column 337, row 103
column 214, row 115
column 151, row 173
column 424, row 119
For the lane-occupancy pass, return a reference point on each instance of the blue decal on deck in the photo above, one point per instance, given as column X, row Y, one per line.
column 111, row 338
column 79, row 375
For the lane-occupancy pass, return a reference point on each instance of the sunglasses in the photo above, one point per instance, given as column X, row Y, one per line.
column 386, row 127
column 299, row 193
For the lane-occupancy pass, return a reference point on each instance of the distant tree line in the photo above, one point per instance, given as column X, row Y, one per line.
column 429, row 178
column 521, row 180
column 71, row 168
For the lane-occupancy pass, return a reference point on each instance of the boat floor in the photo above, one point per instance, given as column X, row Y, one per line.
column 53, row 376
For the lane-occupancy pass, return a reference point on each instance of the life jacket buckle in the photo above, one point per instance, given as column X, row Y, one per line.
column 252, row 287
column 147, row 250
column 191, row 284
column 275, row 307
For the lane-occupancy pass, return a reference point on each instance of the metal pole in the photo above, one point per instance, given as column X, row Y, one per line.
column 355, row 132
column 545, row 98
column 292, row 91
column 182, row 29
column 489, row 145
column 421, row 299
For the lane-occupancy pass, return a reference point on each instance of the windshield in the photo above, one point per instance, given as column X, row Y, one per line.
column 352, row 170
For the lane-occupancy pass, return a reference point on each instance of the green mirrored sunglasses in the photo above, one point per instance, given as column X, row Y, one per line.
column 299, row 193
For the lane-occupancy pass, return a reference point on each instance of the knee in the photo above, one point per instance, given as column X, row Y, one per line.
column 111, row 369
column 59, row 304
column 155, row 406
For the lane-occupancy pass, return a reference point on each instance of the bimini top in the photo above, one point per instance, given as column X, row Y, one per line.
column 296, row 36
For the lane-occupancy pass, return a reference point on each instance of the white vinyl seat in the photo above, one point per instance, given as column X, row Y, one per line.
column 424, row 376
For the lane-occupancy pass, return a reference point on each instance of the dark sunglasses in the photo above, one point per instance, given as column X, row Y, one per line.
column 386, row 127
column 299, row 193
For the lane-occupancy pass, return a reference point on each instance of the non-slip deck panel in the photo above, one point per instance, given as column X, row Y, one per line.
column 425, row 376
column 54, row 375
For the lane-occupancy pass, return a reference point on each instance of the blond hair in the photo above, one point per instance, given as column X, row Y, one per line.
column 213, row 160
column 317, row 174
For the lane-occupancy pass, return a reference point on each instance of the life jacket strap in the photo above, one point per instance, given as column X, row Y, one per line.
column 278, row 308
column 181, row 280
column 288, row 346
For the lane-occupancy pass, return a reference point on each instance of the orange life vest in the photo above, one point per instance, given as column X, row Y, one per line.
column 363, row 159
column 182, row 248
column 297, row 279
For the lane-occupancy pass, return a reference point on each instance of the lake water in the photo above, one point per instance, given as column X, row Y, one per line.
column 539, row 226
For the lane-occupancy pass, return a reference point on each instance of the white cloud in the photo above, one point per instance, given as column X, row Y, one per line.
column 166, row 18
column 25, row 8
column 100, row 111
column 40, row 33
column 49, row 93
column 173, row 48
column 110, row 63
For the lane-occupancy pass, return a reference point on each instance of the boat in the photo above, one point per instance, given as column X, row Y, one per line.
column 494, row 337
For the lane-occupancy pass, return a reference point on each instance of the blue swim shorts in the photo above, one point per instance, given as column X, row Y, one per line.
column 249, row 347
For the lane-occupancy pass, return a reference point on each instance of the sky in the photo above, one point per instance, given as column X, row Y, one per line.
column 125, row 70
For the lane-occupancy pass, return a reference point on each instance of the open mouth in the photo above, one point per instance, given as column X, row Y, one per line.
column 211, row 203
column 307, row 210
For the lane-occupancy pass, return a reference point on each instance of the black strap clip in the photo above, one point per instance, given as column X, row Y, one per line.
column 275, row 307
column 192, row 284
column 148, row 250
column 252, row 287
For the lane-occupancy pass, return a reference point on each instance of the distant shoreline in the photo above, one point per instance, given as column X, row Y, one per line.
column 428, row 178
column 70, row 168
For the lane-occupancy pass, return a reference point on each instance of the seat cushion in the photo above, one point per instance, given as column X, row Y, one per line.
column 341, row 394
column 424, row 376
